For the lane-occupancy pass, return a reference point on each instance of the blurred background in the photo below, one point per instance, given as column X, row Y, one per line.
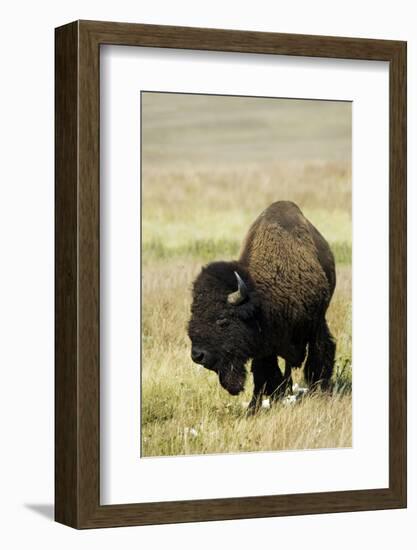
column 210, row 165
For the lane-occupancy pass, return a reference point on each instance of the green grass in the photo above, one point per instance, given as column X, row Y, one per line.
column 209, row 249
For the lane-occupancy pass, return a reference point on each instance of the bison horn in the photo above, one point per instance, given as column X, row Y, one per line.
column 241, row 293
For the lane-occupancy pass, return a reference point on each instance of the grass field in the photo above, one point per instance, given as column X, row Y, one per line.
column 210, row 165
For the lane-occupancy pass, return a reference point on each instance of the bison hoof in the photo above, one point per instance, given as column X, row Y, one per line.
column 256, row 404
column 253, row 407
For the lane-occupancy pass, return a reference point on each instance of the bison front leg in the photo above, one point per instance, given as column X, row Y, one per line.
column 320, row 361
column 267, row 380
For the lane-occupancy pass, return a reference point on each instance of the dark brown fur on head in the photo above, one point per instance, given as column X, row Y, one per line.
column 224, row 335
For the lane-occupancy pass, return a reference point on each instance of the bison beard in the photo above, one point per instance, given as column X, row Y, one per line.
column 270, row 303
column 233, row 378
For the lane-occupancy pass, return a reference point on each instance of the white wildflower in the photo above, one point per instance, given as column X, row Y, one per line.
column 290, row 400
column 299, row 391
column 190, row 431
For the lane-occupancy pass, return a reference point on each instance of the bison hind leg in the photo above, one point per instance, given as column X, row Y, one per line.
column 318, row 369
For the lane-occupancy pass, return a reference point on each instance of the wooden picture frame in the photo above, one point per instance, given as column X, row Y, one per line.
column 77, row 359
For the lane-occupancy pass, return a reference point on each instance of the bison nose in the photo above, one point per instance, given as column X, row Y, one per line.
column 197, row 355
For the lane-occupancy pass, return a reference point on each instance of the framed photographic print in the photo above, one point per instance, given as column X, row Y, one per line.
column 230, row 274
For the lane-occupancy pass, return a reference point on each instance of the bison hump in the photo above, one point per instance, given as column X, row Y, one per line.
column 281, row 253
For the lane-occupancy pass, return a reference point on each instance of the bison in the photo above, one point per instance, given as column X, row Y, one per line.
column 269, row 303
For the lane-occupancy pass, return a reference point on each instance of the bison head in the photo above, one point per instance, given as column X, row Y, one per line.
column 224, row 325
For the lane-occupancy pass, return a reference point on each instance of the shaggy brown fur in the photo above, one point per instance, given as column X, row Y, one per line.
column 289, row 275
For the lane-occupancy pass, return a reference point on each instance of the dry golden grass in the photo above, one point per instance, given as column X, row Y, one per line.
column 224, row 427
column 178, row 396
column 198, row 210
column 222, row 202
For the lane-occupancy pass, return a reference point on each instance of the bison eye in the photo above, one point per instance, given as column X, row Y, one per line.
column 222, row 322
